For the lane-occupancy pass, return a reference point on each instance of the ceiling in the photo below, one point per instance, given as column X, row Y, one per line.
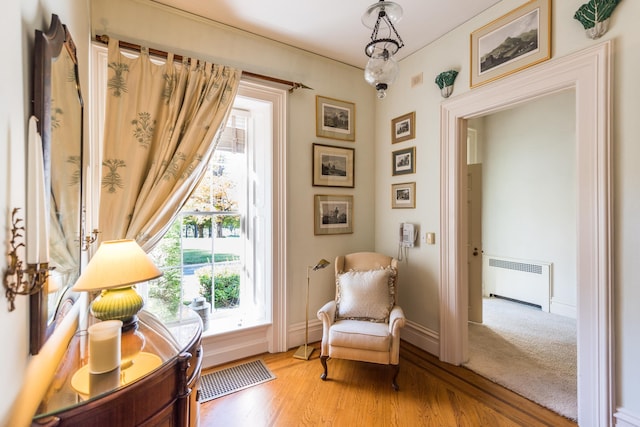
column 332, row 28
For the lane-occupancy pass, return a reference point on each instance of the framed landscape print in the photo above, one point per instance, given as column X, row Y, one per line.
column 333, row 214
column 403, row 128
column 335, row 119
column 511, row 43
column 403, row 161
column 403, row 195
column 333, row 166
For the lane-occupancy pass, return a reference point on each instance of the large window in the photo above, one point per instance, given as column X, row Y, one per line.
column 212, row 249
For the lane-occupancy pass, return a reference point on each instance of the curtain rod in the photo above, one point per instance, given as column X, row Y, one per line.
column 160, row 53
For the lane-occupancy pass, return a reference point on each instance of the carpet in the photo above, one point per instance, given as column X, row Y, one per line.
column 528, row 351
column 229, row 380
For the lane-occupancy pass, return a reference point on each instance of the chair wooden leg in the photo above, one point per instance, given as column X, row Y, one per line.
column 323, row 360
column 396, row 371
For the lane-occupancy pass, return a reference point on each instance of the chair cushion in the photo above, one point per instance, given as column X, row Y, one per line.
column 365, row 295
column 361, row 335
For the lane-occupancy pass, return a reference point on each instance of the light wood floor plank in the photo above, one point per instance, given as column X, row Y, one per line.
column 431, row 393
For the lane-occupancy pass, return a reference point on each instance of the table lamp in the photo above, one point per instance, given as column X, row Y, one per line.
column 305, row 351
column 116, row 266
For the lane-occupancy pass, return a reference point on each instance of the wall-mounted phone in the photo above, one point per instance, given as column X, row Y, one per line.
column 408, row 235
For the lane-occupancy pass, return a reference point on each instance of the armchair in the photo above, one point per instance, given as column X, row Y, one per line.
column 363, row 322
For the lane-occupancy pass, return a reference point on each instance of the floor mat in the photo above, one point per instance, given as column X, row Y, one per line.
column 226, row 381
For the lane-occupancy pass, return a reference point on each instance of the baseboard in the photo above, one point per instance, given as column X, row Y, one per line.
column 423, row 338
column 296, row 333
column 624, row 418
column 563, row 309
column 224, row 348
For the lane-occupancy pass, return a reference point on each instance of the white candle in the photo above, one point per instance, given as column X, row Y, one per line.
column 44, row 194
column 31, row 224
column 104, row 346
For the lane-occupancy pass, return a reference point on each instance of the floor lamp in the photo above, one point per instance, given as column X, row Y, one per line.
column 305, row 351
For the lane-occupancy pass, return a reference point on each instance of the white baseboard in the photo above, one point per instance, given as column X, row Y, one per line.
column 563, row 309
column 423, row 338
column 296, row 332
column 227, row 347
column 224, row 348
column 624, row 418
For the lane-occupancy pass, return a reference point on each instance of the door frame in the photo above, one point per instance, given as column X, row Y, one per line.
column 588, row 73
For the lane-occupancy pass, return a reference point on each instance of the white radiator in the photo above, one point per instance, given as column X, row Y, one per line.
column 520, row 280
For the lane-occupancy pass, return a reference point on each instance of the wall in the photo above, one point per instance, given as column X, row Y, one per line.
column 529, row 177
column 18, row 22
column 419, row 277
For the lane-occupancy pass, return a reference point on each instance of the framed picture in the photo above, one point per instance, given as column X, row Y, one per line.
column 333, row 166
column 333, row 214
column 403, row 128
column 335, row 119
column 403, row 196
column 403, row 161
column 511, row 43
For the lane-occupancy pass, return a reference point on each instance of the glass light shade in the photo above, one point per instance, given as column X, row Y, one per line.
column 380, row 73
column 392, row 10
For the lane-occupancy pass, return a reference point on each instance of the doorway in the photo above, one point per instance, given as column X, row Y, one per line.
column 587, row 72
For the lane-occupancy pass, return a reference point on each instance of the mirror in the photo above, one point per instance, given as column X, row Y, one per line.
column 58, row 105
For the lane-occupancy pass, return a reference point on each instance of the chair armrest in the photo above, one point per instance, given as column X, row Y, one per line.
column 327, row 313
column 396, row 320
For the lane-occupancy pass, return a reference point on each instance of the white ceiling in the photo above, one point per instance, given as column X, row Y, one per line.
column 332, row 28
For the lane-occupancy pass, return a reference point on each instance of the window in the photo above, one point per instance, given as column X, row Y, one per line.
column 262, row 229
column 215, row 248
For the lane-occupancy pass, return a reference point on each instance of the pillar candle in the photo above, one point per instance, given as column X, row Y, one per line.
column 104, row 346
column 34, row 156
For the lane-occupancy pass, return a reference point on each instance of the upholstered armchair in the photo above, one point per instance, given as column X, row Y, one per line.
column 363, row 322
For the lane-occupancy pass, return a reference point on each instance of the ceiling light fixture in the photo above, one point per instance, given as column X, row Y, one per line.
column 382, row 68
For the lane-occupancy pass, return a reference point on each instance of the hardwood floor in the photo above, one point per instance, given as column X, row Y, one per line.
column 431, row 393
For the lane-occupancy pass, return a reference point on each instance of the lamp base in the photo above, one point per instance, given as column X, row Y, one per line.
column 304, row 352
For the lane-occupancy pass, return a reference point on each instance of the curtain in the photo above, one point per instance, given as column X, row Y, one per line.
column 160, row 130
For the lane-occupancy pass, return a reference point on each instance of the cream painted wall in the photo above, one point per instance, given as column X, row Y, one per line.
column 18, row 22
column 143, row 21
column 529, row 177
column 420, row 276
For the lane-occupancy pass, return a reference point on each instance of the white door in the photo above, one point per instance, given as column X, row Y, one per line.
column 474, row 241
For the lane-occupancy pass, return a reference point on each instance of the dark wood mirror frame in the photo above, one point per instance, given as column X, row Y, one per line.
column 47, row 48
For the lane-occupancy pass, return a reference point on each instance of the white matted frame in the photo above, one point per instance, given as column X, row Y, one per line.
column 335, row 119
column 588, row 73
column 333, row 166
column 333, row 214
column 403, row 195
column 494, row 52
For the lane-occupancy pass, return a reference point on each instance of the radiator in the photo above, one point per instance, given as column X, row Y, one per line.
column 521, row 280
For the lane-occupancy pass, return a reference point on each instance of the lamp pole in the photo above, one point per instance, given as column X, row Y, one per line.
column 304, row 351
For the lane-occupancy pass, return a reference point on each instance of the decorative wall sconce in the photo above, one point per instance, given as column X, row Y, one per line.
column 594, row 16
column 18, row 280
column 445, row 81
column 89, row 240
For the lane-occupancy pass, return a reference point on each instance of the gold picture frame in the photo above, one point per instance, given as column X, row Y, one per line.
column 403, row 195
column 511, row 43
column 333, row 166
column 335, row 119
column 333, row 214
column 403, row 128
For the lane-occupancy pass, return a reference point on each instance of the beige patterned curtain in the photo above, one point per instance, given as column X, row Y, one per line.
column 160, row 131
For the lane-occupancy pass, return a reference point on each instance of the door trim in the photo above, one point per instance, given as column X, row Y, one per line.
column 588, row 73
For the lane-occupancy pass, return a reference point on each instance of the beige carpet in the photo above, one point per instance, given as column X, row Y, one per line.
column 528, row 351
